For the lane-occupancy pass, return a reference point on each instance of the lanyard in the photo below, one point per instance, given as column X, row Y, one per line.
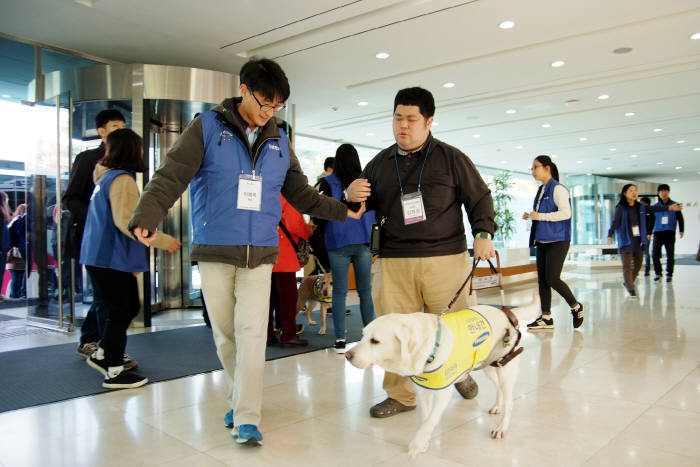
column 420, row 176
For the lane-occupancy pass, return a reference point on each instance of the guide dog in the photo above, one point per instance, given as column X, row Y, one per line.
column 406, row 344
column 314, row 290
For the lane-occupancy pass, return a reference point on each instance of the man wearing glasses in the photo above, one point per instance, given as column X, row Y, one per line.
column 237, row 161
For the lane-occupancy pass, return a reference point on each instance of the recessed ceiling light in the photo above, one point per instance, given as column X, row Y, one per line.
column 608, row 168
column 363, row 103
column 583, row 139
column 504, row 162
column 613, row 149
column 448, row 85
column 511, row 111
column 370, row 134
column 603, row 97
column 680, row 141
column 476, row 135
column 695, row 36
column 546, row 125
column 634, row 156
column 622, row 50
column 435, row 123
column 519, row 146
column 558, row 63
column 659, row 163
column 630, row 114
column 555, row 156
column 696, row 149
column 382, row 55
column 679, row 167
column 656, row 130
column 506, row 24
column 579, row 162
column 675, row 179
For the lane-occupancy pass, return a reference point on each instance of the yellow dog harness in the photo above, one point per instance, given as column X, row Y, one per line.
column 471, row 346
column 318, row 292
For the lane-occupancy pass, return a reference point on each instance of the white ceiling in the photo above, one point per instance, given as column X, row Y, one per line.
column 328, row 50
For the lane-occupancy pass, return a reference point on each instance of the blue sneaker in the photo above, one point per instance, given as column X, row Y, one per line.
column 228, row 419
column 247, row 434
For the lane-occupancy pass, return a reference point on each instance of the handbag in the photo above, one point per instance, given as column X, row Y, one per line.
column 303, row 248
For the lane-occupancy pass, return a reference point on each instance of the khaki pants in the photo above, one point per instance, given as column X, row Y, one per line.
column 409, row 285
column 238, row 301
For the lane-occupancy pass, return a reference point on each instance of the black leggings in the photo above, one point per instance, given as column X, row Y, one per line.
column 120, row 299
column 550, row 262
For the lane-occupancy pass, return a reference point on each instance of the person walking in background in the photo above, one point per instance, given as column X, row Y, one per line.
column 665, row 233
column 283, row 292
column 630, row 224
column 649, row 219
column 318, row 236
column 551, row 234
column 76, row 199
column 4, row 235
column 17, row 256
column 112, row 255
column 348, row 243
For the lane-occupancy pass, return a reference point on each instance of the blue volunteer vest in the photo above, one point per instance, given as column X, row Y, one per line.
column 214, row 189
column 350, row 231
column 671, row 220
column 473, row 339
column 103, row 243
column 624, row 230
column 551, row 231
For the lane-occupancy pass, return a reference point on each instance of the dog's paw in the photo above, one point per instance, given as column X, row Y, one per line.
column 417, row 447
column 498, row 433
column 495, row 410
column 321, row 332
column 312, row 322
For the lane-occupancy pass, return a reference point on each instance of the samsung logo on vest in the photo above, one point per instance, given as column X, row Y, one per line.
column 481, row 339
column 274, row 147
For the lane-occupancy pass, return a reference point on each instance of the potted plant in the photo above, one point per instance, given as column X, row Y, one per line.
column 500, row 186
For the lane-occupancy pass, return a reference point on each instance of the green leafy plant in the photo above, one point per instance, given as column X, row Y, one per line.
column 500, row 186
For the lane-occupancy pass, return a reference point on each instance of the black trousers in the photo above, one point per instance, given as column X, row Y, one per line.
column 550, row 262
column 120, row 299
column 667, row 239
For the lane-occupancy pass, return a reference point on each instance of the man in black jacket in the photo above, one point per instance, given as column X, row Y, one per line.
column 76, row 199
column 418, row 187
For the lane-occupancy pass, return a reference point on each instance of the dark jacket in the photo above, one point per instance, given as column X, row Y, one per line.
column 184, row 161
column 450, row 181
column 77, row 197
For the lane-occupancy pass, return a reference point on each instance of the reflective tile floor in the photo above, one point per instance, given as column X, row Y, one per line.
column 623, row 390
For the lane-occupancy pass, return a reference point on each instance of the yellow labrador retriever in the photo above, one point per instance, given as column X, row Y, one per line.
column 437, row 351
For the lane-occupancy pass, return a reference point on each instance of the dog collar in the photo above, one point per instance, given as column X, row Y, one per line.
column 438, row 334
column 319, row 293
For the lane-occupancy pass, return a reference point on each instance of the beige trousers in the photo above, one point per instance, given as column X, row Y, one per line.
column 238, row 301
column 410, row 285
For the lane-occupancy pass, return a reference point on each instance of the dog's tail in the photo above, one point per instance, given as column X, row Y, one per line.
column 529, row 313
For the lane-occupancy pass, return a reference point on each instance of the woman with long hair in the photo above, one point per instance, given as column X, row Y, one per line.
column 348, row 243
column 551, row 235
column 111, row 254
column 17, row 255
column 631, row 227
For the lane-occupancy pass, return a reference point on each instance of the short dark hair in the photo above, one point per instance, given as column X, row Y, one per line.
column 108, row 115
column 663, row 186
column 266, row 77
column 328, row 163
column 416, row 96
column 645, row 200
column 124, row 150
column 546, row 161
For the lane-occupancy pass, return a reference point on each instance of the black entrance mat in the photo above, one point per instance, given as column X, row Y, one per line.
column 50, row 374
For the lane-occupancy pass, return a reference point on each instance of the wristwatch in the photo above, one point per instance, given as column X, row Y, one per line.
column 485, row 235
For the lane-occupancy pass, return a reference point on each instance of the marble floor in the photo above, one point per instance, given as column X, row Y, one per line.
column 623, row 390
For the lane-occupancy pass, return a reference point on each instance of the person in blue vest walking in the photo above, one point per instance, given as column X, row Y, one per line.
column 112, row 255
column 551, row 234
column 348, row 242
column 665, row 233
column 236, row 162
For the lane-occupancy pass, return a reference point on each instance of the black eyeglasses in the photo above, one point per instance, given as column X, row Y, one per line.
column 266, row 107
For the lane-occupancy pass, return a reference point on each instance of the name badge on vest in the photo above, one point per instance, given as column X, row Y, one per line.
column 664, row 220
column 249, row 192
column 413, row 209
column 635, row 231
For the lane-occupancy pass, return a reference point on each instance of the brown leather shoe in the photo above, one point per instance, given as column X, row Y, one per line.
column 467, row 388
column 294, row 342
column 388, row 408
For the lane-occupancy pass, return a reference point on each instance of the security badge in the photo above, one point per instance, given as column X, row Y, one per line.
column 413, row 209
column 249, row 192
column 635, row 231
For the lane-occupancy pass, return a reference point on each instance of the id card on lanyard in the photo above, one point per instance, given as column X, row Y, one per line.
column 412, row 203
column 249, row 192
